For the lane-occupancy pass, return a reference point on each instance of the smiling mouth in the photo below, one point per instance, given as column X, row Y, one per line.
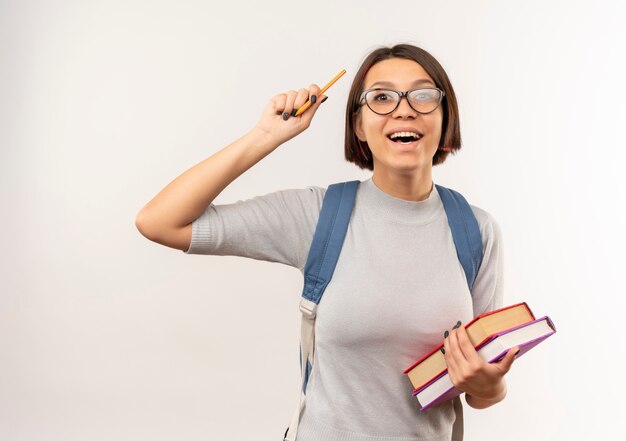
column 404, row 137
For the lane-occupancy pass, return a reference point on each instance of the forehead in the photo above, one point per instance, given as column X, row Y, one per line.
column 397, row 73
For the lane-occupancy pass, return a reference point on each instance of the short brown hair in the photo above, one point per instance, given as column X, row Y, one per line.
column 357, row 151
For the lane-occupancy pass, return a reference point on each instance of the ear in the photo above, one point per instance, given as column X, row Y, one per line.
column 358, row 128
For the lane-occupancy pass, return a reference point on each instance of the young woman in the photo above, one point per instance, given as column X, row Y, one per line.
column 398, row 284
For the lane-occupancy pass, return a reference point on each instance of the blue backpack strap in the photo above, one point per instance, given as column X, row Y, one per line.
column 465, row 232
column 328, row 239
column 326, row 245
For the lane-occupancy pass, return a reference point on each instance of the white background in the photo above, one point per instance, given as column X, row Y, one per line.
column 105, row 335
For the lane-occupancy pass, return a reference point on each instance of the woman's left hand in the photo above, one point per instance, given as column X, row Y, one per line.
column 470, row 373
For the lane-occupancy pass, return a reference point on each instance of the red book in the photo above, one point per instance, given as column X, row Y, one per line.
column 526, row 336
column 479, row 330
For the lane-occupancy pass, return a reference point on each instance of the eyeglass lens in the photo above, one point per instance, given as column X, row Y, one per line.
column 385, row 101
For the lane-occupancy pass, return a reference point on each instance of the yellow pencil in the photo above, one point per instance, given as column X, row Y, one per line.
column 324, row 89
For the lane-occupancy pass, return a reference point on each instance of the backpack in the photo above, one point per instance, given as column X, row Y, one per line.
column 324, row 253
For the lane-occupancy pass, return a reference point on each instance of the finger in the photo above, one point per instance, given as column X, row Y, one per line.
column 506, row 363
column 469, row 352
column 279, row 103
column 301, row 98
column 307, row 115
column 454, row 370
column 313, row 99
column 314, row 93
column 455, row 349
column 312, row 96
column 450, row 362
column 289, row 103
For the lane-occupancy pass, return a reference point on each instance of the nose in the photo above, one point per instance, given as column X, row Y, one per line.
column 404, row 110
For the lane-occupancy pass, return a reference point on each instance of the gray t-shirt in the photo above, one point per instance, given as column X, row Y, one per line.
column 397, row 287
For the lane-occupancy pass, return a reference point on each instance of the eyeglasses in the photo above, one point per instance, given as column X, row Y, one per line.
column 385, row 101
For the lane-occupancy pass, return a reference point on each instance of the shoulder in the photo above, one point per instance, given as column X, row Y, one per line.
column 309, row 198
column 312, row 193
column 298, row 206
column 489, row 228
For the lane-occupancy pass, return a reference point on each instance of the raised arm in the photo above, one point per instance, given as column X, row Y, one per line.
column 167, row 218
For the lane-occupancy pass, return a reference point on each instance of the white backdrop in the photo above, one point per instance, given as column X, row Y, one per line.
column 105, row 335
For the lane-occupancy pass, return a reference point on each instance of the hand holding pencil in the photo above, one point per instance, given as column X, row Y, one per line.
column 289, row 114
column 324, row 89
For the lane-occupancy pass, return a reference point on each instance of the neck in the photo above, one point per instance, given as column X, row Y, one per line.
column 409, row 187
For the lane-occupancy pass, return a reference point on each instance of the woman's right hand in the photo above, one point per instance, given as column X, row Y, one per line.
column 167, row 218
column 277, row 125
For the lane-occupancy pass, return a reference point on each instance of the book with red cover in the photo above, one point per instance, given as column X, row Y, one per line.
column 526, row 336
column 479, row 330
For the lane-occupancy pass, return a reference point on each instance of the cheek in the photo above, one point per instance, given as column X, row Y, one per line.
column 372, row 127
column 436, row 125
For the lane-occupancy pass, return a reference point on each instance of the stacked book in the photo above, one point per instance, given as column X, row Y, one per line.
column 492, row 334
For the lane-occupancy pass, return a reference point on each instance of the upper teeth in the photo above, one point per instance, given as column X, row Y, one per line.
column 404, row 135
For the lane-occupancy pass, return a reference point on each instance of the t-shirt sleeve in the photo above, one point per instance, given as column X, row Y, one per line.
column 276, row 227
column 487, row 292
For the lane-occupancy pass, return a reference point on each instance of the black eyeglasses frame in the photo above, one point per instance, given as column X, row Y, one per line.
column 362, row 99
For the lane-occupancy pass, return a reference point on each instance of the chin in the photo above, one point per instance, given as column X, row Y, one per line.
column 410, row 161
column 407, row 167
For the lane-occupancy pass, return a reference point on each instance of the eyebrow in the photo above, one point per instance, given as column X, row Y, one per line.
column 389, row 84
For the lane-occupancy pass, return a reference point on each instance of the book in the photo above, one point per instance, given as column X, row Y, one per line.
column 480, row 329
column 526, row 336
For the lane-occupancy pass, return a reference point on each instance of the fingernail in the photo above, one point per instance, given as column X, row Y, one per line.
column 445, row 334
column 443, row 350
column 278, row 112
column 293, row 112
column 324, row 99
column 517, row 352
column 285, row 116
column 457, row 324
column 313, row 99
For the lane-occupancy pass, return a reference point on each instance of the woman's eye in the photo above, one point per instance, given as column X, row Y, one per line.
column 424, row 96
column 382, row 97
